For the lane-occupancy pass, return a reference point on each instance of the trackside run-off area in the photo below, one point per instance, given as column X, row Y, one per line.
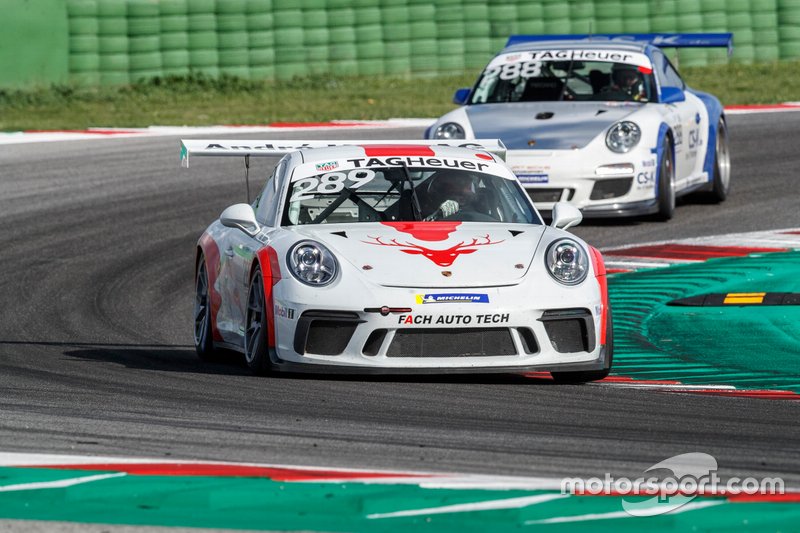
column 742, row 346
column 265, row 497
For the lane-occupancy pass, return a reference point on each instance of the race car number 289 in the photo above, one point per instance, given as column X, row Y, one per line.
column 330, row 183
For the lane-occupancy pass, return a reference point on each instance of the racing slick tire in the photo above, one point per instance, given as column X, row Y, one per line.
column 722, row 165
column 203, row 339
column 576, row 378
column 256, row 349
column 666, row 183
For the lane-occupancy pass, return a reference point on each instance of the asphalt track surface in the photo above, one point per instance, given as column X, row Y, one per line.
column 97, row 242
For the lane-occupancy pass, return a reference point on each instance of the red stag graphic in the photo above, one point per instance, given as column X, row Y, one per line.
column 443, row 258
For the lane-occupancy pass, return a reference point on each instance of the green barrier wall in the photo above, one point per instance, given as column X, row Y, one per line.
column 33, row 42
column 117, row 41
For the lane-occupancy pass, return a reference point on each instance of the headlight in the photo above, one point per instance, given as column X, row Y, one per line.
column 449, row 130
column 311, row 263
column 623, row 136
column 567, row 262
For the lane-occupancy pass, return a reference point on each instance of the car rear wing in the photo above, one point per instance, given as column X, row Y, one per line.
column 272, row 148
column 662, row 40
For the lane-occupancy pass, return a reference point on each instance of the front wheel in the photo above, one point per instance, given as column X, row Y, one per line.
column 722, row 165
column 203, row 340
column 256, row 349
column 666, row 183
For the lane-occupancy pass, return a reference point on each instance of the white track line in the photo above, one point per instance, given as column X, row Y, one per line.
column 59, row 483
column 20, row 137
column 490, row 505
column 429, row 480
column 790, row 106
column 634, row 385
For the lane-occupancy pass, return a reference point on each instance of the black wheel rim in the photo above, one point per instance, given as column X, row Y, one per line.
column 201, row 316
column 255, row 314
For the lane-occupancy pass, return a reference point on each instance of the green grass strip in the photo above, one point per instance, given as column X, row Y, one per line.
column 198, row 100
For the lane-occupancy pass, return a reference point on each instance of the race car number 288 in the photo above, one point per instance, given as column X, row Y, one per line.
column 511, row 71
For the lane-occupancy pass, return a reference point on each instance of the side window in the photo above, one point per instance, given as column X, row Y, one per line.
column 666, row 72
column 267, row 208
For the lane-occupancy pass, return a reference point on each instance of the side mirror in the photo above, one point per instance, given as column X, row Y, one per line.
column 672, row 95
column 240, row 216
column 566, row 215
column 461, row 96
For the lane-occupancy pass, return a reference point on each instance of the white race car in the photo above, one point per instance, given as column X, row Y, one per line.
column 397, row 257
column 603, row 122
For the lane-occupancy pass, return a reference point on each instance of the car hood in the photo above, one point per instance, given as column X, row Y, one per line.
column 570, row 124
column 432, row 254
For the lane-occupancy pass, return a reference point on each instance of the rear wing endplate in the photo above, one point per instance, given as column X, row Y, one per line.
column 272, row 148
column 662, row 40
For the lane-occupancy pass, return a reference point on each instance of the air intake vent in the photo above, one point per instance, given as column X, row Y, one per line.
column 325, row 332
column 611, row 188
column 569, row 330
column 468, row 342
column 374, row 342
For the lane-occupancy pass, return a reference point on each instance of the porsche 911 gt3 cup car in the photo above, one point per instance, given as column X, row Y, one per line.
column 603, row 122
column 423, row 257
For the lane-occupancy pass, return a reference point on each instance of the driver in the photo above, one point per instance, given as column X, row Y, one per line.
column 627, row 79
column 449, row 192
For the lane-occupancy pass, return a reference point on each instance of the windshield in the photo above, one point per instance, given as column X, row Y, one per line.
column 527, row 77
column 405, row 194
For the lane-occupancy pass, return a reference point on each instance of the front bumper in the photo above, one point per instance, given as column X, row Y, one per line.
column 508, row 335
column 632, row 209
column 575, row 176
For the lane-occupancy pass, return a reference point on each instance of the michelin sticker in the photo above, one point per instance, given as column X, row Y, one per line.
column 533, row 178
column 452, row 298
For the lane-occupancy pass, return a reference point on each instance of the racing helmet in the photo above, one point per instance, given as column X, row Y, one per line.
column 627, row 78
column 449, row 184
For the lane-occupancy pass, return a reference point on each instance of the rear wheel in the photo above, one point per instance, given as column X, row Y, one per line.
column 573, row 378
column 666, row 183
column 722, row 164
column 203, row 340
column 256, row 350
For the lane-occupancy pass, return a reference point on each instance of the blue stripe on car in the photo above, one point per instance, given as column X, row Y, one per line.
column 714, row 108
